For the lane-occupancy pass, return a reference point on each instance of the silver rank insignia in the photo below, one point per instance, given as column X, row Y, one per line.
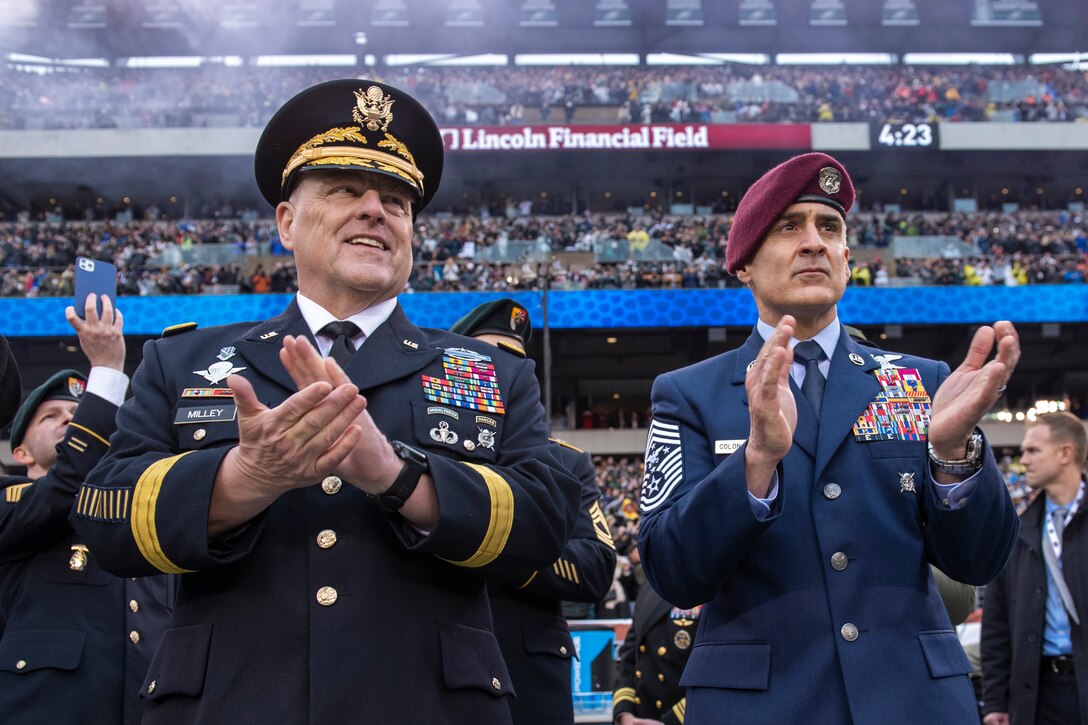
column 218, row 371
column 887, row 360
column 906, row 483
column 227, row 353
column 78, row 562
column 857, row 359
column 486, row 439
column 443, row 434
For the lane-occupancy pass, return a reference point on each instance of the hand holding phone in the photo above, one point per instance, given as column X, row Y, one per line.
column 93, row 276
column 98, row 324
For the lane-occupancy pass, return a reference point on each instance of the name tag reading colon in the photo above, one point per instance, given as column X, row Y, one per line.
column 724, row 448
column 206, row 414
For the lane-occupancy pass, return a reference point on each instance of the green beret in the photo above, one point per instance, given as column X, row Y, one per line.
column 63, row 385
column 499, row 317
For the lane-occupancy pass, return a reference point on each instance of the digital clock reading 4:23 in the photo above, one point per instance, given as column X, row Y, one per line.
column 910, row 135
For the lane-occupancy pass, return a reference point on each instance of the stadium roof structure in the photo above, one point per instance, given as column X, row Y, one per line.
column 115, row 29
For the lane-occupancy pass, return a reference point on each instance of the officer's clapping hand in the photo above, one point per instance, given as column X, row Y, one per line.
column 371, row 465
column 972, row 389
column 771, row 407
column 101, row 337
column 293, row 445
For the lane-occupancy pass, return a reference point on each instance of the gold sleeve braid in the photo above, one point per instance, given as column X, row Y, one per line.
column 500, row 523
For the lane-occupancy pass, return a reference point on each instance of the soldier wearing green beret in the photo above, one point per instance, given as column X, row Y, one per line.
column 529, row 622
column 78, row 640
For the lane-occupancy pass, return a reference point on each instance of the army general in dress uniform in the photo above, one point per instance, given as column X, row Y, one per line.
column 800, row 485
column 529, row 623
column 78, row 640
column 335, row 484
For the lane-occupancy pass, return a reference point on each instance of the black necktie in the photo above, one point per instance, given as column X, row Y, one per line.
column 810, row 354
column 341, row 333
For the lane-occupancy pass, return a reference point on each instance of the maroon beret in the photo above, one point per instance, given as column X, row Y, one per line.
column 809, row 177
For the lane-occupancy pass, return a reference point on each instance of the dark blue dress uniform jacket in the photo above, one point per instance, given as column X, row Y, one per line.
column 68, row 652
column 529, row 622
column 402, row 631
column 772, row 644
column 652, row 659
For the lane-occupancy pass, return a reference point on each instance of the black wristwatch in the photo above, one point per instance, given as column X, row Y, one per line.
column 415, row 465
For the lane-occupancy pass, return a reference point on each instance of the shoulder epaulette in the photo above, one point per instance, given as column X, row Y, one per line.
column 512, row 349
column 178, row 329
column 566, row 445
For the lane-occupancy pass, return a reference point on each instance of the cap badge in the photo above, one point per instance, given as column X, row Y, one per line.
column 76, row 387
column 517, row 317
column 374, row 109
column 830, row 180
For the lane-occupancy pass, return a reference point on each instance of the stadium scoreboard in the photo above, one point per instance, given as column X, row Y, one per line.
column 905, row 135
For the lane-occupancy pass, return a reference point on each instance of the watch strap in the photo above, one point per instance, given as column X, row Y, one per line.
column 967, row 465
column 415, row 465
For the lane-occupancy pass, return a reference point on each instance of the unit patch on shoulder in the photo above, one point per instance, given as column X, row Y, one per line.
column 664, row 464
column 178, row 329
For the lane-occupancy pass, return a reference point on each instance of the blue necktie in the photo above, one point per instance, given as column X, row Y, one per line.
column 810, row 354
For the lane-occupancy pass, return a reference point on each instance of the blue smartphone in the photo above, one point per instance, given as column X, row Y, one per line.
column 94, row 275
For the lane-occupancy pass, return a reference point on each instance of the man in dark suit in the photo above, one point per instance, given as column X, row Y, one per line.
column 78, row 640
column 789, row 486
column 1034, row 643
column 529, row 623
column 334, row 484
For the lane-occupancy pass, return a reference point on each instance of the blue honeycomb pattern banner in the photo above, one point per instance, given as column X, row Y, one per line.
column 595, row 308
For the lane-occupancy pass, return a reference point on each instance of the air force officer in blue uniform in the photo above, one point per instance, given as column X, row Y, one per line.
column 801, row 484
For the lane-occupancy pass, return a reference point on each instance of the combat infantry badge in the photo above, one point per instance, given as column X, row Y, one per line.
column 906, row 483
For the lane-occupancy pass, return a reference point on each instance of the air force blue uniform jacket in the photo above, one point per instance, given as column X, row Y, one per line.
column 824, row 611
column 324, row 608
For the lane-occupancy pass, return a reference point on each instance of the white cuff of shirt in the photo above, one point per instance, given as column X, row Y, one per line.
column 954, row 496
column 108, row 384
column 761, row 507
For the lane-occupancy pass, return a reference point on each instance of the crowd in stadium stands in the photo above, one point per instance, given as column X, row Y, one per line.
column 481, row 253
column 217, row 95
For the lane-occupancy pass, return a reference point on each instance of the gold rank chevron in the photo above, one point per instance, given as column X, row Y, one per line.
column 623, row 694
column 145, row 499
column 680, row 708
column 500, row 523
column 600, row 525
